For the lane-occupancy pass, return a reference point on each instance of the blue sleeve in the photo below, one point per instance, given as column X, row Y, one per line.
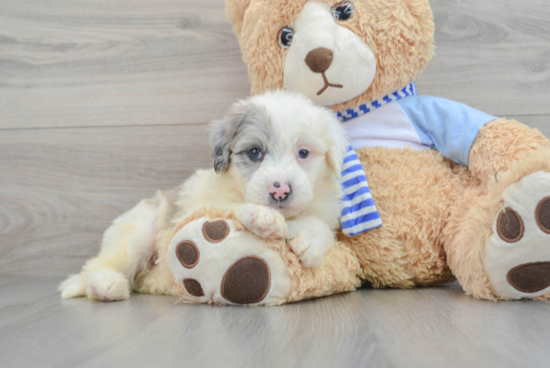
column 448, row 126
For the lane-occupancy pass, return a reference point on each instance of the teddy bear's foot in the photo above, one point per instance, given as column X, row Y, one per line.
column 517, row 257
column 217, row 263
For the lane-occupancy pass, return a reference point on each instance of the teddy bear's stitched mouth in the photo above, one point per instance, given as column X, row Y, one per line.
column 327, row 84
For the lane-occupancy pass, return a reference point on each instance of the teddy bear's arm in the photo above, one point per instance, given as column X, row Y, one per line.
column 501, row 143
column 447, row 126
column 484, row 143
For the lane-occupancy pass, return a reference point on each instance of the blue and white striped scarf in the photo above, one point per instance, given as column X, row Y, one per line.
column 360, row 214
column 349, row 114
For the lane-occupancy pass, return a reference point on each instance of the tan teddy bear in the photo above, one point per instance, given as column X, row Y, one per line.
column 459, row 192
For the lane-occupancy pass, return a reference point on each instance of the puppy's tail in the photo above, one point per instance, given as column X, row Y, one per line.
column 73, row 287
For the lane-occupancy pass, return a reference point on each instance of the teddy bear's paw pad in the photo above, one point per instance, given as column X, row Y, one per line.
column 193, row 287
column 188, row 254
column 531, row 277
column 247, row 281
column 215, row 231
column 517, row 254
column 214, row 262
column 510, row 226
column 542, row 215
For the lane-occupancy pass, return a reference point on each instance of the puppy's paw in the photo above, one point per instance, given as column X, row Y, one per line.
column 309, row 247
column 108, row 285
column 263, row 221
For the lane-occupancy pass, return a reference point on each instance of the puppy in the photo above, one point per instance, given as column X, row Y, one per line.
column 276, row 159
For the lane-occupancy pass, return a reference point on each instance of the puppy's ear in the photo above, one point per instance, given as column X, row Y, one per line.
column 221, row 135
column 224, row 132
column 338, row 146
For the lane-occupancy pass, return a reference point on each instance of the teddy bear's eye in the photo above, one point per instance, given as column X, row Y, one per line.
column 343, row 10
column 284, row 38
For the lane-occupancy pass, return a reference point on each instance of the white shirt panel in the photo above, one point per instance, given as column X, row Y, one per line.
column 387, row 126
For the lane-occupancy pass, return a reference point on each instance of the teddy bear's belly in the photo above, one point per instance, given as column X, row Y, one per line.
column 415, row 192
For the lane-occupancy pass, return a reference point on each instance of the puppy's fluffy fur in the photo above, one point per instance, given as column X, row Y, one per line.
column 278, row 137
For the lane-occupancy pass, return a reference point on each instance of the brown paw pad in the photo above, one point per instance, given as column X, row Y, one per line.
column 530, row 277
column 215, row 231
column 247, row 281
column 542, row 214
column 193, row 287
column 510, row 226
column 188, row 254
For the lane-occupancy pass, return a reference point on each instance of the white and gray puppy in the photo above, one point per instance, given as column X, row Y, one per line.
column 276, row 157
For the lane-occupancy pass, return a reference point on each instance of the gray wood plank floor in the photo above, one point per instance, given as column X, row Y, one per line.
column 432, row 327
column 102, row 102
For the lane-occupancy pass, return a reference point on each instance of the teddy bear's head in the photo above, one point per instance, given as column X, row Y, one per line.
column 338, row 53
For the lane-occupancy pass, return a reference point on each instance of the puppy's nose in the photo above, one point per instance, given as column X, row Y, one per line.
column 319, row 59
column 279, row 191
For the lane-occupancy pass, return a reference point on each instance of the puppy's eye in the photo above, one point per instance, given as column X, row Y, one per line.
column 255, row 154
column 303, row 154
column 284, row 38
column 343, row 10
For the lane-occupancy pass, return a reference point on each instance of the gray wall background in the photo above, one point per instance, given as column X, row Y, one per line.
column 102, row 102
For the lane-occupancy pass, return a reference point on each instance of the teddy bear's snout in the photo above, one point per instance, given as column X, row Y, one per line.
column 319, row 59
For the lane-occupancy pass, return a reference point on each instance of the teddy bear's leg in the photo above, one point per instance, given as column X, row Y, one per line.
column 214, row 259
column 498, row 236
column 413, row 191
column 217, row 261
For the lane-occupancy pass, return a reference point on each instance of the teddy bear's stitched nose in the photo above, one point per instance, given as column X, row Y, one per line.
column 319, row 59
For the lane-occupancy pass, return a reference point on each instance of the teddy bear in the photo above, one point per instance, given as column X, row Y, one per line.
column 461, row 194
column 458, row 193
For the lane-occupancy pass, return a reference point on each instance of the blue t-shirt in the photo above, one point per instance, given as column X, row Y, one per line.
column 420, row 122
column 401, row 119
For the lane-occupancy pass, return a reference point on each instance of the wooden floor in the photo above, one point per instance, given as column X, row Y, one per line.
column 104, row 101
column 437, row 327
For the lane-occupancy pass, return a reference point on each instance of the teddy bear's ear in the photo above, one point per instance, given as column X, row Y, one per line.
column 235, row 9
column 422, row 12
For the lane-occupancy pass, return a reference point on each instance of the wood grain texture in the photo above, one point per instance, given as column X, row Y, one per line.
column 104, row 102
column 492, row 55
column 125, row 62
column 431, row 327
column 67, row 63
column 61, row 188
